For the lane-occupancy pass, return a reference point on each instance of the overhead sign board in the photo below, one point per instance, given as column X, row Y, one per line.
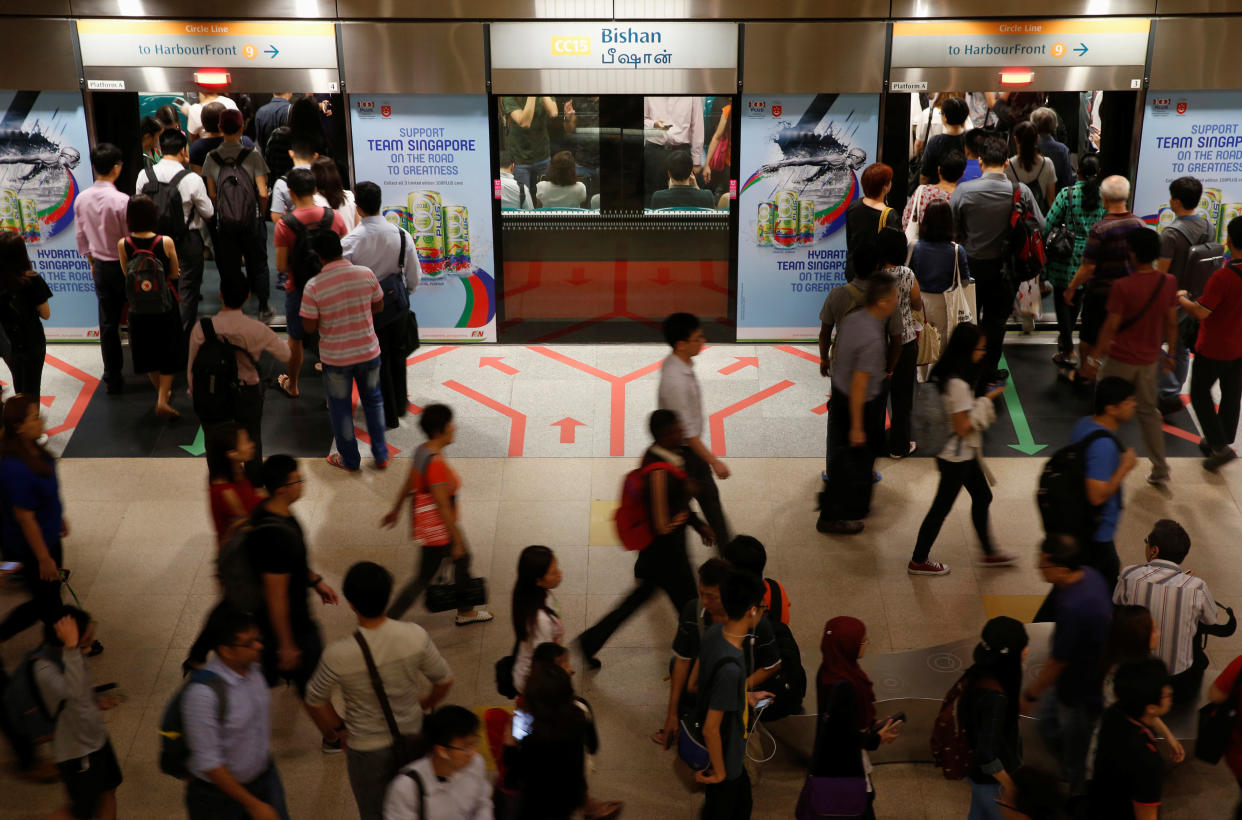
column 1091, row 42
column 196, row 43
column 611, row 45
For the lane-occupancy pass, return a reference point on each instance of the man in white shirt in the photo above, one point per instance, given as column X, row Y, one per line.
column 679, row 392
column 196, row 207
column 194, row 114
column 670, row 124
column 1178, row 601
column 388, row 251
column 513, row 193
column 449, row 783
column 403, row 658
column 303, row 155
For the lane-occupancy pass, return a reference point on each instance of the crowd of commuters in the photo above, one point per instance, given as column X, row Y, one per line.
column 1126, row 642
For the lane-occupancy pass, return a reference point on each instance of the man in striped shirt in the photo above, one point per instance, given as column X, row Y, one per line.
column 340, row 302
column 1177, row 600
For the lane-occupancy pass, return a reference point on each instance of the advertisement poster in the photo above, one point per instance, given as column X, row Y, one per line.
column 44, row 163
column 801, row 159
column 429, row 154
column 1191, row 133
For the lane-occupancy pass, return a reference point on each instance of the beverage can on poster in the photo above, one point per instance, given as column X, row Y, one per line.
column 806, row 221
column 10, row 212
column 1228, row 212
column 426, row 224
column 787, row 205
column 398, row 215
column 763, row 227
column 785, row 232
column 1165, row 218
column 457, row 237
column 31, row 222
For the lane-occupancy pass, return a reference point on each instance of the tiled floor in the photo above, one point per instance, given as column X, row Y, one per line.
column 142, row 546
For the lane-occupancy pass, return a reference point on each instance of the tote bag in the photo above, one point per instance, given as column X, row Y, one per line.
column 959, row 300
column 912, row 227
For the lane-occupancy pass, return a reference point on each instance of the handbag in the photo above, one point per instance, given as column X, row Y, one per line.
column 406, row 748
column 912, row 227
column 929, row 341
column 504, row 674
column 719, row 159
column 1059, row 244
column 959, row 300
column 831, row 797
column 429, row 526
column 443, row 594
column 1029, row 299
column 916, row 165
column 409, row 337
column 1216, row 724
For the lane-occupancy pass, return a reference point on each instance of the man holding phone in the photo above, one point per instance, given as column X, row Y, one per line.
column 721, row 671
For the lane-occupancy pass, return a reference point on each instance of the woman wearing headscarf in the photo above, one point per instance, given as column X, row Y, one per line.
column 847, row 723
column 988, row 711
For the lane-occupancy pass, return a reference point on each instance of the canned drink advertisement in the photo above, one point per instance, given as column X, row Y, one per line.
column 1200, row 137
column 430, row 157
column 45, row 165
column 801, row 161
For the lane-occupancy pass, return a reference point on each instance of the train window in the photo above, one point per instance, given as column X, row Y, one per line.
column 614, row 212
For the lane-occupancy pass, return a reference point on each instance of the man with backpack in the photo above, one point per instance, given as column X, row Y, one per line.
column 237, row 184
column 1187, row 245
column 340, row 302
column 697, row 616
column 80, row 743
column 513, row 193
column 296, row 262
column 388, row 251
column 1142, row 314
column 183, row 206
column 1105, row 260
column 223, row 370
column 1218, row 353
column 225, row 713
column 983, row 209
column 450, row 782
column 301, row 154
column 664, row 563
column 382, row 671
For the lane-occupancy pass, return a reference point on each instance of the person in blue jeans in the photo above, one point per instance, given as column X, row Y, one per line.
column 1068, row 689
column 340, row 302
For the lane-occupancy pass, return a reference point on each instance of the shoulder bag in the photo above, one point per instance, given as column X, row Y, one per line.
column 429, row 526
column 930, row 342
column 406, row 748
column 1151, row 300
column 1061, row 239
column 1216, row 724
column 959, row 300
column 912, row 227
column 830, row 796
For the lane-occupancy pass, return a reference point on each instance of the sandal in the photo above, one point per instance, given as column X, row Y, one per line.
column 336, row 461
column 480, row 616
column 282, row 382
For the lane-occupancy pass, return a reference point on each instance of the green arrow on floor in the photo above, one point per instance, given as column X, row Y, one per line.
column 199, row 446
column 1026, row 442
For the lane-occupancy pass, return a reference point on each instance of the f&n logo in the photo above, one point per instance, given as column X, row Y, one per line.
column 476, row 334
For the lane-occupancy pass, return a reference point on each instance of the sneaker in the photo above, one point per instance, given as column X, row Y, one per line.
column 927, row 568
column 266, row 314
column 1160, row 481
column 588, row 658
column 839, row 527
column 998, row 559
column 899, row 456
column 1168, row 405
column 383, row 465
column 332, row 747
column 480, row 616
column 1219, row 459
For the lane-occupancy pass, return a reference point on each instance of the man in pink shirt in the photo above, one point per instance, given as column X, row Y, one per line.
column 339, row 302
column 99, row 223
column 253, row 337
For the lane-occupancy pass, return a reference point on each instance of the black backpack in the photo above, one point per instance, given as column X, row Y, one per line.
column 1024, row 246
column 214, row 376
column 1062, row 493
column 237, row 198
column 276, row 153
column 788, row 685
column 167, row 195
column 1204, row 258
column 303, row 262
column 174, row 746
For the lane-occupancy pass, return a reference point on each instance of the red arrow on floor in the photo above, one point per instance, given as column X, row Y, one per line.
column 496, row 362
column 742, row 362
column 567, row 426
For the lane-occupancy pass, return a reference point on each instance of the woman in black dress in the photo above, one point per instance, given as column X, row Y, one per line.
column 23, row 304
column 155, row 339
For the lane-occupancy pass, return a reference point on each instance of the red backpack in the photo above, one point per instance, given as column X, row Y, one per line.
column 950, row 747
column 1026, row 240
column 633, row 523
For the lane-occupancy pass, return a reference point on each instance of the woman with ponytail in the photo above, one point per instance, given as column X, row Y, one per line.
column 988, row 711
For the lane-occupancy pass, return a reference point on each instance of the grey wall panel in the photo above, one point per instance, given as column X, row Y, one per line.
column 1195, row 52
column 475, row 9
column 1019, row 8
column 219, row 9
column 55, row 68
column 1199, row 6
column 47, row 8
column 813, row 57
column 308, row 80
column 410, row 58
column 748, row 9
column 1047, row 78
column 615, row 81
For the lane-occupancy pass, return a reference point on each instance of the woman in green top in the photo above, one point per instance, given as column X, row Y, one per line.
column 1078, row 207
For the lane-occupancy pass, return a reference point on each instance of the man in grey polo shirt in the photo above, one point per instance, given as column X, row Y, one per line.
column 982, row 209
column 858, row 375
column 378, row 244
column 679, row 392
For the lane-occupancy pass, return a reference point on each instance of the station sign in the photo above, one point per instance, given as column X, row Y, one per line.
column 195, row 43
column 612, row 45
column 1029, row 43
